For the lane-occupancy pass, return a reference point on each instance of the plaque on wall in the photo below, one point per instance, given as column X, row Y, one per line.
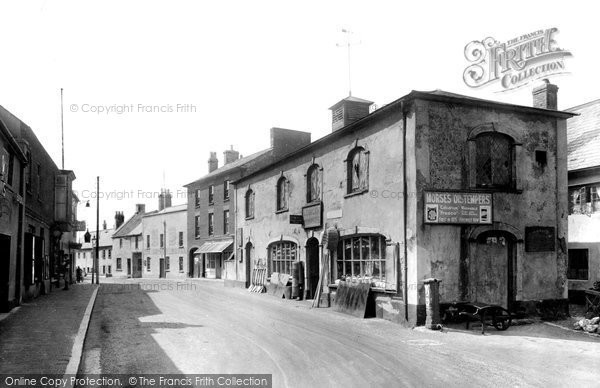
column 296, row 219
column 540, row 239
column 313, row 215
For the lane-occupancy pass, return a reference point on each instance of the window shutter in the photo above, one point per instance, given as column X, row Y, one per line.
column 364, row 171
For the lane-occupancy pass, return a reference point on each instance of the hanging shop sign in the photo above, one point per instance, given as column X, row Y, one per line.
column 313, row 216
column 447, row 207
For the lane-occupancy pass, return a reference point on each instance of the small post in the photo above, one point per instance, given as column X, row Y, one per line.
column 432, row 303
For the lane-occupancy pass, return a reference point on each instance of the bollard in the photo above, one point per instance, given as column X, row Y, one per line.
column 432, row 303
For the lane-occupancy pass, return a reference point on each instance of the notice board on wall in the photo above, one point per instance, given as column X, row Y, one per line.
column 540, row 239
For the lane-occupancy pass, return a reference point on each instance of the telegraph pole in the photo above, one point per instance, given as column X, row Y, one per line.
column 96, row 261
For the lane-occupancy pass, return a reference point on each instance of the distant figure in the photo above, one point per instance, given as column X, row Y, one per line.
column 79, row 274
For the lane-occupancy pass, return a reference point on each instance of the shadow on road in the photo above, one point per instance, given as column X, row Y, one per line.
column 118, row 341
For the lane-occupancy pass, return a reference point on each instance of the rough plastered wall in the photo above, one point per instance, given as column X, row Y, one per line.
column 442, row 157
column 379, row 210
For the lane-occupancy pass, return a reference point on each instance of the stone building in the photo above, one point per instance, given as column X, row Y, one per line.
column 584, row 198
column 210, row 227
column 434, row 184
column 165, row 238
column 50, row 214
column 12, row 211
column 127, row 246
column 84, row 256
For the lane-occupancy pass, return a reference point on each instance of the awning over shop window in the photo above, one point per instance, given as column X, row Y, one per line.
column 214, row 247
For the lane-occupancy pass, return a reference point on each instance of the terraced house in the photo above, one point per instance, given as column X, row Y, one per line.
column 433, row 185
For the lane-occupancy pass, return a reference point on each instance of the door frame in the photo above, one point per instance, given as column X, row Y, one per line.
column 312, row 261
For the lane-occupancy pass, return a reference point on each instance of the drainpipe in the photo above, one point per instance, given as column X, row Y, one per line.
column 405, row 218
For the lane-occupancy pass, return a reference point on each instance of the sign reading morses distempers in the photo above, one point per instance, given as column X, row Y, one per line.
column 443, row 207
column 516, row 62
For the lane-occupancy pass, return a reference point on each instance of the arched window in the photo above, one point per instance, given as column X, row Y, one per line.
column 282, row 194
column 281, row 255
column 313, row 184
column 249, row 203
column 357, row 166
column 494, row 160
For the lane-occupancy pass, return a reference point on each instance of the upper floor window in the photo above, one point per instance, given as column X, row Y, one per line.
column 282, row 194
column 197, row 226
column 120, row 243
column 6, row 174
column 162, row 240
column 313, row 184
column 211, row 194
column 226, row 190
column 136, row 242
column 197, row 198
column 226, row 222
column 584, row 199
column 578, row 264
column 180, row 239
column 493, row 160
column 249, row 203
column 357, row 166
column 211, row 224
column 147, row 241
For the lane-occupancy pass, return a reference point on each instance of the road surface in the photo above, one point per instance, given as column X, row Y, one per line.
column 159, row 326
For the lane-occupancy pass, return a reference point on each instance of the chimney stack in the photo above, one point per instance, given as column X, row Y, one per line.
column 140, row 208
column 285, row 141
column 545, row 96
column 347, row 111
column 230, row 155
column 164, row 199
column 119, row 219
column 213, row 162
column 104, row 225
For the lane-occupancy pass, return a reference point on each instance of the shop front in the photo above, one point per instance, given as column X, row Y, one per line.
column 212, row 255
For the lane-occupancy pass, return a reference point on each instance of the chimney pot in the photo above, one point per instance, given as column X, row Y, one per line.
column 140, row 208
column 213, row 162
column 230, row 156
column 545, row 96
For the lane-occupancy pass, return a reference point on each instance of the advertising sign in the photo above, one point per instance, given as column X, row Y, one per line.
column 442, row 207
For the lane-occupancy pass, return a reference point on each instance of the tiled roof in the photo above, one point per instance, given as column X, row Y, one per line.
column 583, row 134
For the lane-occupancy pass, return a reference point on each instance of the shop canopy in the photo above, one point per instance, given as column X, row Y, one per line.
column 214, row 247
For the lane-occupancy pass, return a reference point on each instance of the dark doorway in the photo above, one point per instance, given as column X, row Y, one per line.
column 248, row 262
column 4, row 271
column 162, row 272
column 137, row 265
column 193, row 271
column 492, row 274
column 312, row 267
column 128, row 267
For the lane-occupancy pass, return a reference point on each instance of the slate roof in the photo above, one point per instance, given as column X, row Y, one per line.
column 256, row 157
column 132, row 226
column 168, row 210
column 583, row 134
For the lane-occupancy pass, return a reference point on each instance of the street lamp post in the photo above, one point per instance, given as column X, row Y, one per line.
column 97, row 229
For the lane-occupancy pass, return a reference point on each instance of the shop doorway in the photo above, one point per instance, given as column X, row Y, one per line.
column 4, row 271
column 492, row 275
column 128, row 268
column 248, row 262
column 213, row 265
column 137, row 264
column 193, row 268
column 312, row 267
column 162, row 273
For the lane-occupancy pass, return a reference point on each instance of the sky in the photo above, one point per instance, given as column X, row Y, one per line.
column 224, row 73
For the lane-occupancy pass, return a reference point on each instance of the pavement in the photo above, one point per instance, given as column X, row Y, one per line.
column 39, row 336
column 186, row 327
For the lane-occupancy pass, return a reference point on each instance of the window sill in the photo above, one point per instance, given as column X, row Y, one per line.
column 496, row 190
column 282, row 211
column 211, row 203
column 355, row 193
column 226, row 199
column 375, row 289
column 250, row 218
column 578, row 280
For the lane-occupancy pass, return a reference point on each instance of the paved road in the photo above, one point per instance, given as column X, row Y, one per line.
column 202, row 327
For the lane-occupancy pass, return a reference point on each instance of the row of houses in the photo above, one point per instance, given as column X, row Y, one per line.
column 473, row 192
column 38, row 216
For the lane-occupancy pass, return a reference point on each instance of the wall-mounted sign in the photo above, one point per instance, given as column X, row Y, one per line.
column 443, row 207
column 240, row 236
column 296, row 219
column 313, row 216
column 540, row 239
column 80, row 226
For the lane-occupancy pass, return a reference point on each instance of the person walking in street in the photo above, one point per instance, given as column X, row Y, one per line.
column 79, row 274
